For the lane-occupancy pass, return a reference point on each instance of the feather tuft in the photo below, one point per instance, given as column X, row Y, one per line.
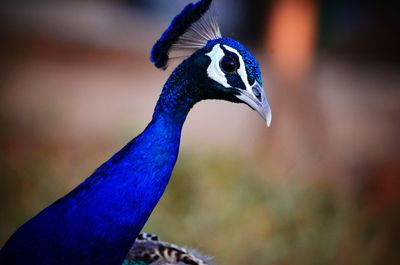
column 146, row 250
column 188, row 32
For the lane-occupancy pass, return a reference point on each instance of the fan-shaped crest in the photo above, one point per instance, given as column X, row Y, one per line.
column 188, row 32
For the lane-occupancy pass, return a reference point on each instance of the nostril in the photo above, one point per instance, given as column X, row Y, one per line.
column 257, row 92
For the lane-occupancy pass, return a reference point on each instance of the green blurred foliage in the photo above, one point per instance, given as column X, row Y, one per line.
column 225, row 207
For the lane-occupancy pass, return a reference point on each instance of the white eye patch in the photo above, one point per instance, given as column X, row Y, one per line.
column 242, row 69
column 214, row 71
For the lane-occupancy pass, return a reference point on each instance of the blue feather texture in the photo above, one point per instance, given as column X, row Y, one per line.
column 98, row 221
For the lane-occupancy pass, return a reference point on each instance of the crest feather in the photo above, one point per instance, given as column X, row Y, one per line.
column 188, row 32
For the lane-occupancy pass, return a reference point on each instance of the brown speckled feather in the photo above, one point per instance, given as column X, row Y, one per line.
column 150, row 250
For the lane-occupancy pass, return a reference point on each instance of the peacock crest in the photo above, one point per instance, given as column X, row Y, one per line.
column 191, row 30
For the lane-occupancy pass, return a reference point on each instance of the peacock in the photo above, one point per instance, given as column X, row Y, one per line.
column 99, row 221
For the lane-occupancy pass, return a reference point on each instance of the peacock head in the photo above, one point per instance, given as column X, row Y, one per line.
column 217, row 67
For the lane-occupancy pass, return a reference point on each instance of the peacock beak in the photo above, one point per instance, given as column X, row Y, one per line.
column 257, row 100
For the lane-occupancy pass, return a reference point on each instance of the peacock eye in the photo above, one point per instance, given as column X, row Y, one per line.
column 228, row 65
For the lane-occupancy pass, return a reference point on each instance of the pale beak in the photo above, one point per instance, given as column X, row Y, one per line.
column 257, row 100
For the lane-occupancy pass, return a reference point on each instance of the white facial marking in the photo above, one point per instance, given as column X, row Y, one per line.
column 242, row 68
column 247, row 96
column 214, row 71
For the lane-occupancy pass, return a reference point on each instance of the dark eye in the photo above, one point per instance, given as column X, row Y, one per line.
column 228, row 65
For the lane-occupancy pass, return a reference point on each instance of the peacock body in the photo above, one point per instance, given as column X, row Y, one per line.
column 98, row 221
column 149, row 250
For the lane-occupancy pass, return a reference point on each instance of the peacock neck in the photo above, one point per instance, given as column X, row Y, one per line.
column 145, row 165
column 155, row 151
column 177, row 98
column 99, row 220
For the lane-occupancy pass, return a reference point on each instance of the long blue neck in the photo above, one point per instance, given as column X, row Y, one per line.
column 98, row 221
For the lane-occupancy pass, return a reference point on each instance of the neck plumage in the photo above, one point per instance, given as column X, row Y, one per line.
column 98, row 221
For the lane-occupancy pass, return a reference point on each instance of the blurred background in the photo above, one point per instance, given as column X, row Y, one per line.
column 321, row 186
